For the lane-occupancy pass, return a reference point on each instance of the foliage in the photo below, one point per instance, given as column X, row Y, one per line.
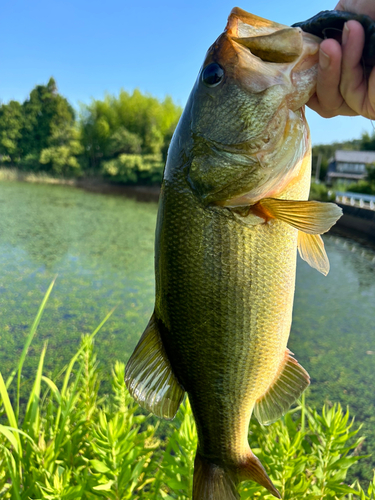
column 365, row 186
column 123, row 138
column 320, row 192
column 70, row 443
column 11, row 123
column 307, row 463
column 73, row 443
column 175, row 476
column 40, row 133
column 126, row 137
column 368, row 142
column 135, row 169
column 63, row 147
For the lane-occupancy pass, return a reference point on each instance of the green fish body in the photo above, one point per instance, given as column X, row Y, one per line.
column 232, row 212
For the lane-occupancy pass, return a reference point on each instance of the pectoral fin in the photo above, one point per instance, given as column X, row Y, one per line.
column 311, row 249
column 312, row 217
column 149, row 376
column 288, row 386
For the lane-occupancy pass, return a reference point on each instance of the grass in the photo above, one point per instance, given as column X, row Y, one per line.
column 14, row 174
column 67, row 441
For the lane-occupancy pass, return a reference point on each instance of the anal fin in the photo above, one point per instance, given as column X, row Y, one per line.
column 288, row 386
column 149, row 376
column 311, row 249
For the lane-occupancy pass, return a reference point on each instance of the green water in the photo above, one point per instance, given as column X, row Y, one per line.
column 101, row 247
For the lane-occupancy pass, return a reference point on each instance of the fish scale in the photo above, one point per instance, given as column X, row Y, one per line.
column 233, row 209
column 216, row 291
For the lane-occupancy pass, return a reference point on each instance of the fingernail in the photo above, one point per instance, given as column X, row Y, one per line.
column 345, row 34
column 324, row 60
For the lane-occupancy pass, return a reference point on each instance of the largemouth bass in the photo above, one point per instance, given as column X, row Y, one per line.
column 233, row 210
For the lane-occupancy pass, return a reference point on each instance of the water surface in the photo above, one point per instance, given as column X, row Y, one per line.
column 101, row 247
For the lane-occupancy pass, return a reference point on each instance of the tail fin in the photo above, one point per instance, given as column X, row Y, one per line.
column 212, row 482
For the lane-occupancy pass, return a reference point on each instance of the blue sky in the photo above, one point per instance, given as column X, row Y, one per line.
column 93, row 47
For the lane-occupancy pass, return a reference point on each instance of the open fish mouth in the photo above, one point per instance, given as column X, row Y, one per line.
column 267, row 40
column 292, row 52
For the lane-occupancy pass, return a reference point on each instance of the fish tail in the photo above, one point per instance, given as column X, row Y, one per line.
column 253, row 469
column 212, row 482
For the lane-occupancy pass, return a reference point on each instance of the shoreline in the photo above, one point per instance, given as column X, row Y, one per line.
column 92, row 184
column 148, row 194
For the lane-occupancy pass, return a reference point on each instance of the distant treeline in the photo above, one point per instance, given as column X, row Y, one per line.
column 123, row 138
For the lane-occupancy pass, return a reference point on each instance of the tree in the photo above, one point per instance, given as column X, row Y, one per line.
column 367, row 142
column 63, row 143
column 44, row 112
column 126, row 137
column 11, row 123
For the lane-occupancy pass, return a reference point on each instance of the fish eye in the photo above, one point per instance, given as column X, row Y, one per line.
column 212, row 75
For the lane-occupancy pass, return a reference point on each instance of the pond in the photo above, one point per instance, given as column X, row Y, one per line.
column 101, row 248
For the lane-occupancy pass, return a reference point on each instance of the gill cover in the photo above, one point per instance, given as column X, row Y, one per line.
column 247, row 127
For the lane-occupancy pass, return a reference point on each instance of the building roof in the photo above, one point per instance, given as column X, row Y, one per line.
column 355, row 156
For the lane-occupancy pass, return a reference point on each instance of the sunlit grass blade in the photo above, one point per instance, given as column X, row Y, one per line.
column 72, row 363
column 5, row 431
column 14, row 476
column 9, row 409
column 60, row 431
column 32, row 409
column 29, row 339
column 79, row 352
column 53, row 388
column 8, row 431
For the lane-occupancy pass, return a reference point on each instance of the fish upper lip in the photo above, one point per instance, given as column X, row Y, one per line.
column 282, row 46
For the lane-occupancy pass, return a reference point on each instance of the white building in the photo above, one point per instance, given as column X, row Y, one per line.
column 349, row 166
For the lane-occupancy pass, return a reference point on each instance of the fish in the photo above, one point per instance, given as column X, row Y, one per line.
column 233, row 211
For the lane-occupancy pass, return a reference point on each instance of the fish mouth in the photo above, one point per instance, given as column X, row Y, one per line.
column 270, row 41
column 283, row 46
column 272, row 53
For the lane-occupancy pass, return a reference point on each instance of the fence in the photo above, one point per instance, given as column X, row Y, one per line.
column 356, row 200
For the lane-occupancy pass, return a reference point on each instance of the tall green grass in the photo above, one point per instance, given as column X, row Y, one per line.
column 71, row 442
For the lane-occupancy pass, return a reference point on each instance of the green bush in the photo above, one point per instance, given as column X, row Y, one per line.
column 320, row 192
column 71, row 442
column 134, row 169
column 124, row 138
column 363, row 187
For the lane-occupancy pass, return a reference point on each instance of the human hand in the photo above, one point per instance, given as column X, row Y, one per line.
column 343, row 87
